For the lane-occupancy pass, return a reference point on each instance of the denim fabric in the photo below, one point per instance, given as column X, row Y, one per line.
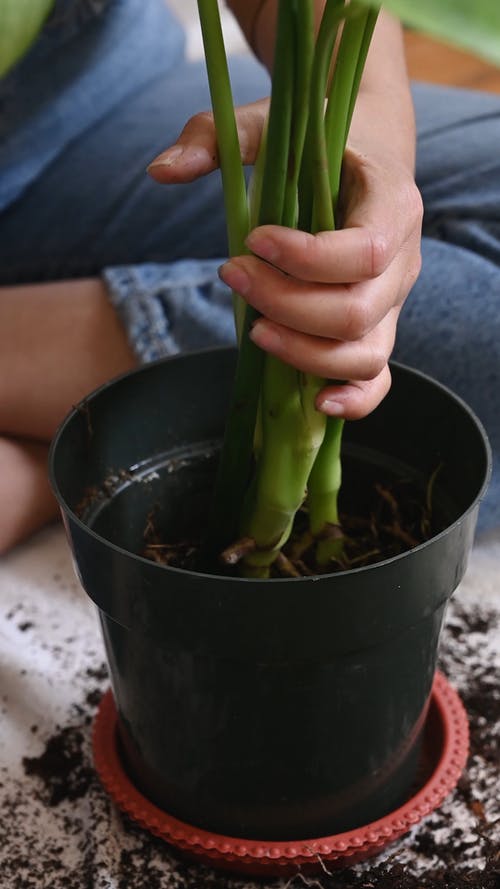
column 95, row 206
column 88, row 58
column 90, row 209
column 450, row 324
column 176, row 307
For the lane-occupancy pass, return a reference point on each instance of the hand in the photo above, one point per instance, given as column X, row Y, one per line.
column 195, row 152
column 329, row 302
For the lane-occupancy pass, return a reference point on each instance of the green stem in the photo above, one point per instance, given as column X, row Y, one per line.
column 236, row 457
column 323, row 219
column 351, row 57
column 370, row 22
column 271, row 190
column 323, row 490
column 279, row 122
column 256, row 179
column 325, row 479
column 292, row 431
column 233, row 179
column 293, row 448
column 305, row 187
column 303, row 26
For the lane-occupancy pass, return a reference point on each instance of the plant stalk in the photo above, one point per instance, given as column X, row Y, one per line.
column 236, row 457
column 292, row 432
column 325, row 480
column 349, row 66
column 322, row 218
column 288, row 413
column 290, row 428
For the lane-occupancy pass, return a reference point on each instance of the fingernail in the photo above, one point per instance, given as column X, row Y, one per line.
column 266, row 336
column 264, row 247
column 330, row 407
column 235, row 277
column 167, row 158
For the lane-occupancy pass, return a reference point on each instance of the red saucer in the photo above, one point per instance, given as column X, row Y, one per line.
column 445, row 750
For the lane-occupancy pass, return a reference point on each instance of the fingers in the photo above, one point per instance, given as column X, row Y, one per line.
column 378, row 218
column 341, row 311
column 195, row 152
column 337, row 332
column 329, row 302
column 363, row 359
column 367, row 359
column 354, row 400
column 380, row 195
column 350, row 254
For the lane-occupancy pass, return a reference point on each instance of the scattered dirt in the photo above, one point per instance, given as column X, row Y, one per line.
column 62, row 768
column 60, row 800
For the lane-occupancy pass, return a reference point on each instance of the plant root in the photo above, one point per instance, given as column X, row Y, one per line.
column 238, row 550
column 286, row 567
column 399, row 516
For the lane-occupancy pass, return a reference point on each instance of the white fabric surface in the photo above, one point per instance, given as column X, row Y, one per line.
column 51, row 673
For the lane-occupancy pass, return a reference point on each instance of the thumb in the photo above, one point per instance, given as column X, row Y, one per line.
column 195, row 152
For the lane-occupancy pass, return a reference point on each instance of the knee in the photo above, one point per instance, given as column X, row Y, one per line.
column 26, row 500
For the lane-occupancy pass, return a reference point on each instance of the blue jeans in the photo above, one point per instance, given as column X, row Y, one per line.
column 90, row 209
column 450, row 324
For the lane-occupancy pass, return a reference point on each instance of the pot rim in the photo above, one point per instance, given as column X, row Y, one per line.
column 67, row 510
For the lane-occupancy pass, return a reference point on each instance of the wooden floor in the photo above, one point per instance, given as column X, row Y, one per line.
column 431, row 61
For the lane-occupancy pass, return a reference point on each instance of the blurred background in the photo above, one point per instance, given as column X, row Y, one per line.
column 428, row 59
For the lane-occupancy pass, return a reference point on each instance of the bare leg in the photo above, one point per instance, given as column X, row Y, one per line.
column 26, row 500
column 57, row 342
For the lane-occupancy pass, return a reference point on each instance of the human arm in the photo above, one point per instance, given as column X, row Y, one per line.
column 257, row 20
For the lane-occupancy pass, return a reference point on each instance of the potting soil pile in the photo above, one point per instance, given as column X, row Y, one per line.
column 59, row 829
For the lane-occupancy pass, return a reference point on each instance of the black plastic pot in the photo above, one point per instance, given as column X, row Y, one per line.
column 271, row 709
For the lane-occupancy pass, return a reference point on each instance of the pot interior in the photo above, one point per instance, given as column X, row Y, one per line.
column 149, row 440
column 172, row 492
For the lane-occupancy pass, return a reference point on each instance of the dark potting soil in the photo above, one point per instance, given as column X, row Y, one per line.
column 60, row 768
column 384, row 511
column 457, row 847
column 397, row 515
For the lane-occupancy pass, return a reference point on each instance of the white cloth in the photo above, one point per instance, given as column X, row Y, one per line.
column 62, row 833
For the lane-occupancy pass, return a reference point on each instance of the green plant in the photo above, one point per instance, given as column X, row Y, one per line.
column 20, row 23
column 277, row 445
column 473, row 25
column 278, row 448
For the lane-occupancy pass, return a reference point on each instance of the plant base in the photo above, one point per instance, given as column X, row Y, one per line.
column 444, row 754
